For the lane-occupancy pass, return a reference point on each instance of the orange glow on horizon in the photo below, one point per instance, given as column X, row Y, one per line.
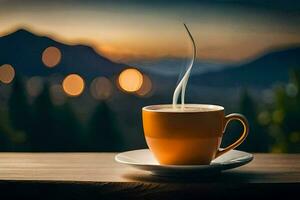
column 73, row 85
column 51, row 56
column 130, row 80
column 127, row 32
column 7, row 73
column 214, row 43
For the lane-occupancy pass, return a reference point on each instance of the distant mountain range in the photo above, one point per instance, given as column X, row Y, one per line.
column 263, row 71
column 176, row 66
column 23, row 50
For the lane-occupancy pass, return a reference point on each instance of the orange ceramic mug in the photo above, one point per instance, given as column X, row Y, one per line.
column 188, row 136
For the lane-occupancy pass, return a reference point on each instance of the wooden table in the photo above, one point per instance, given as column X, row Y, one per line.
column 98, row 176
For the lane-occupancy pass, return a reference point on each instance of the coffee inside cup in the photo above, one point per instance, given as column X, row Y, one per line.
column 187, row 108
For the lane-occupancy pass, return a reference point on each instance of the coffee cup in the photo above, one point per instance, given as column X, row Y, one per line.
column 189, row 134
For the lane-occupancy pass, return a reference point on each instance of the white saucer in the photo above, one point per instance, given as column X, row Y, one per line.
column 144, row 160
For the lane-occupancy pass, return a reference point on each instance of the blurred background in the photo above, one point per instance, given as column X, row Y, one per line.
column 74, row 75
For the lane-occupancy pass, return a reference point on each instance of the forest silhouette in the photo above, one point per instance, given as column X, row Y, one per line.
column 41, row 126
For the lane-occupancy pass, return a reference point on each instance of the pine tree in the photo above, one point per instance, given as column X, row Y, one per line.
column 6, row 132
column 43, row 136
column 55, row 128
column 258, row 139
column 71, row 136
column 103, row 131
column 19, row 114
column 285, row 126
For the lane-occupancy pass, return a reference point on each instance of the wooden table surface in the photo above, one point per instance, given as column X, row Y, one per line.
column 94, row 175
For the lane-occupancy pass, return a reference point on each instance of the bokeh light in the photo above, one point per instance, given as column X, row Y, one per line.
column 264, row 118
column 51, row 56
column 73, row 85
column 57, row 94
column 130, row 80
column 7, row 73
column 291, row 90
column 101, row 88
column 278, row 116
column 146, row 87
column 34, row 86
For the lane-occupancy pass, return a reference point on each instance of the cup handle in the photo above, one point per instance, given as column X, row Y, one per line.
column 243, row 120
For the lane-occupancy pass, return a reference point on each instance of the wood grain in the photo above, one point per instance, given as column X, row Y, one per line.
column 72, row 175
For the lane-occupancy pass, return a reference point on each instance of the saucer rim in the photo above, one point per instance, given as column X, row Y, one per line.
column 247, row 158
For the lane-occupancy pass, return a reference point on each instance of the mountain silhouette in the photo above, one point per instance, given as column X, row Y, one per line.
column 264, row 71
column 261, row 72
column 23, row 50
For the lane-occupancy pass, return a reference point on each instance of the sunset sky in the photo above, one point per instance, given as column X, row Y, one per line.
column 224, row 30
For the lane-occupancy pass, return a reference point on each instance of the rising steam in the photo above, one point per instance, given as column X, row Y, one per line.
column 183, row 82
